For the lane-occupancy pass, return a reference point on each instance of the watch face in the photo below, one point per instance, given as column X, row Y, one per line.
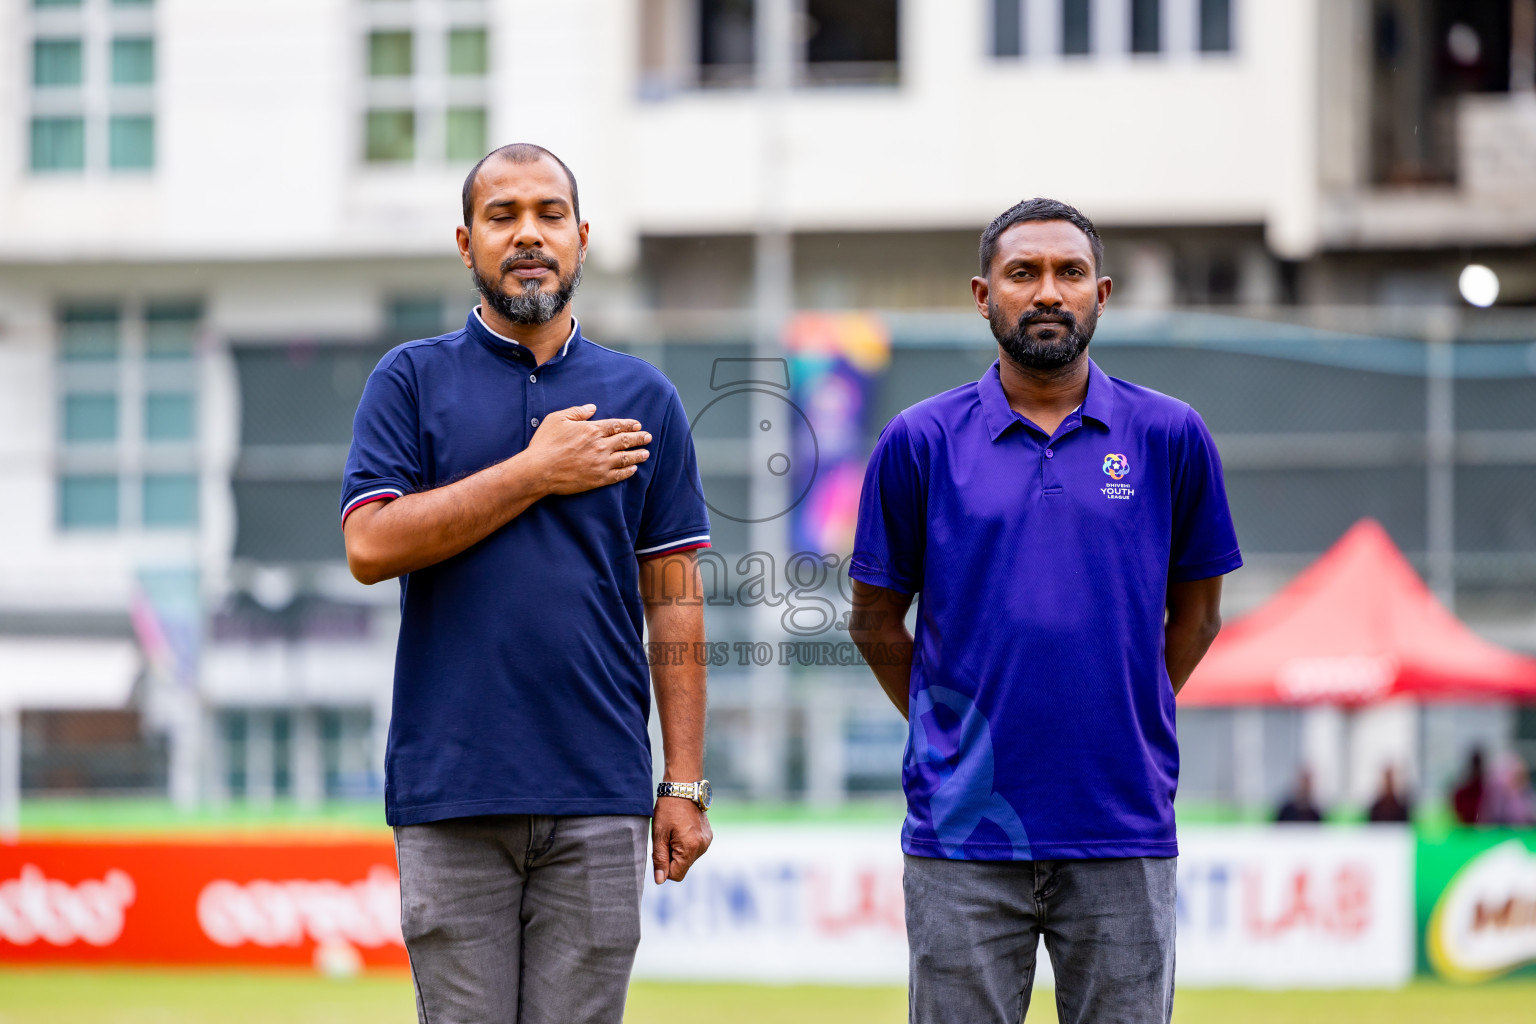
column 706, row 794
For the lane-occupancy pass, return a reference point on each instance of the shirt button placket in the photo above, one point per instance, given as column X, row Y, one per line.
column 536, row 410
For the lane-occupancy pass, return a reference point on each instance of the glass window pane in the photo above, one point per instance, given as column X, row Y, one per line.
column 131, row 143
column 169, row 416
column 56, row 62
column 90, row 417
column 466, row 133
column 55, row 3
column 133, row 61
column 467, row 51
column 87, row 501
column 1146, row 26
column 58, row 143
column 1215, row 26
column 170, row 499
column 170, row 329
column 1074, row 27
column 1007, row 28
column 391, row 135
column 415, row 317
column 88, row 333
column 389, row 54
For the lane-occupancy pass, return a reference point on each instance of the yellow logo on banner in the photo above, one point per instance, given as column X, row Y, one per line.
column 1484, row 924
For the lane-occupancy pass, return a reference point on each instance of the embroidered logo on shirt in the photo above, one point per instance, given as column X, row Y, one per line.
column 1116, row 467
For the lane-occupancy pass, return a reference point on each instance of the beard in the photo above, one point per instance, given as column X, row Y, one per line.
column 1029, row 351
column 531, row 304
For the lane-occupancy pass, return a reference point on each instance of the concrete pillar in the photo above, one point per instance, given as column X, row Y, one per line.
column 826, row 714
column 188, row 751
column 1248, row 758
column 259, row 760
column 307, row 768
column 10, row 774
column 214, row 769
column 1322, row 753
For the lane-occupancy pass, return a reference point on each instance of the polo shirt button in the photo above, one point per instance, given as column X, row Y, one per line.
column 534, row 421
column 533, row 378
column 1050, row 454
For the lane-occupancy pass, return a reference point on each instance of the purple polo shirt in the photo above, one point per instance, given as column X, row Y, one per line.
column 1042, row 717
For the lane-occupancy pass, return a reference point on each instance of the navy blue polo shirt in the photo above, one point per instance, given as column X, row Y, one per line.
column 520, row 681
column 1041, row 714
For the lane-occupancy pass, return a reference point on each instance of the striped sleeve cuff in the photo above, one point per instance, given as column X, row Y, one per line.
column 672, row 547
column 379, row 494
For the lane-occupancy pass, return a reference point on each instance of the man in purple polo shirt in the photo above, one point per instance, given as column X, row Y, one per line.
column 1067, row 533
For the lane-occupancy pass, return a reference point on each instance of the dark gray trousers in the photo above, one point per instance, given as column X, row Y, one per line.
column 522, row 919
column 973, row 928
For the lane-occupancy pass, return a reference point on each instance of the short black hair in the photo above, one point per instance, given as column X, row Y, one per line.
column 1038, row 208
column 518, row 153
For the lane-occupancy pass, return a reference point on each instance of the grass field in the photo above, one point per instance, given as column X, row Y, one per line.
column 51, row 996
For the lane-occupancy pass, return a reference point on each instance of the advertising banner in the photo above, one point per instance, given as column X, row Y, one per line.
column 1262, row 906
column 1295, row 906
column 1476, row 899
column 332, row 904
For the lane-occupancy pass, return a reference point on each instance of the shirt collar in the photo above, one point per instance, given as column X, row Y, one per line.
column 476, row 320
column 999, row 415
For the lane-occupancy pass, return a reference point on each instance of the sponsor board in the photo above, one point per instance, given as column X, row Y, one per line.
column 1477, row 904
column 1295, row 906
column 1261, row 906
column 332, row 904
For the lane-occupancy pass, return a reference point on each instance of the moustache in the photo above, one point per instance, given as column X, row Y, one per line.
column 529, row 256
column 1064, row 317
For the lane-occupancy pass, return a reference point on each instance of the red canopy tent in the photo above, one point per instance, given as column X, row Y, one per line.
column 1358, row 626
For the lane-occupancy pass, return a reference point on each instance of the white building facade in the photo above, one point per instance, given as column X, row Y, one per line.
column 215, row 217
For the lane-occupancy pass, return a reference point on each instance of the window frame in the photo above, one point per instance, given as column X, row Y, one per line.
column 121, row 362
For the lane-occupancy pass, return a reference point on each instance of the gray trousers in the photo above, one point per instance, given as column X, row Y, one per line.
column 522, row 919
column 973, row 928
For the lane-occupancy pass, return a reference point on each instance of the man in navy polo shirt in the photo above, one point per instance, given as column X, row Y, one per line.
column 532, row 491
column 1066, row 534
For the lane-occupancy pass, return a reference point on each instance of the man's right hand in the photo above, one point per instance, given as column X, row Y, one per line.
column 570, row 452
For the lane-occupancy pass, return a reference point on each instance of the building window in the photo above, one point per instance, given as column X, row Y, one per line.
column 415, row 316
column 851, row 41
column 1076, row 34
column 1215, row 26
column 93, row 78
column 1007, row 28
column 56, row 62
column 169, row 416
column 468, row 53
column 426, row 64
column 391, row 136
column 1146, row 26
column 389, row 54
column 127, row 414
column 133, row 61
column 132, row 143
column 90, row 417
column 58, row 143
column 88, row 502
column 170, row 499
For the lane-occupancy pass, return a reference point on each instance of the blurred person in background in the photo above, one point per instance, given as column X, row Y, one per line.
column 1389, row 806
column 532, row 490
column 1299, row 806
column 1067, row 533
column 1507, row 797
column 1468, row 796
